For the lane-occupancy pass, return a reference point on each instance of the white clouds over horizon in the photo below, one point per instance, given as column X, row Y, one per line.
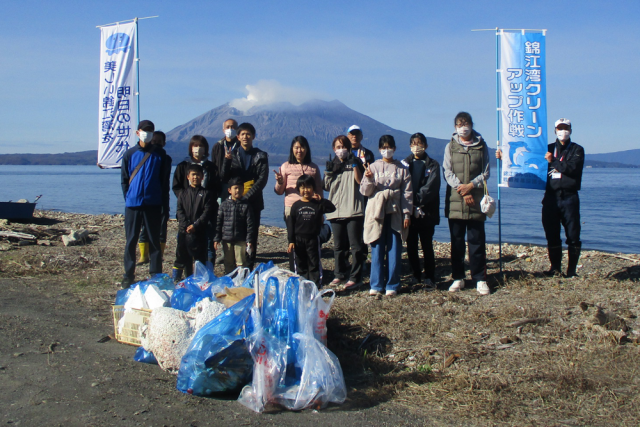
column 266, row 92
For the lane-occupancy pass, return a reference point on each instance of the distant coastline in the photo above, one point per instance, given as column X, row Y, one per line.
column 88, row 158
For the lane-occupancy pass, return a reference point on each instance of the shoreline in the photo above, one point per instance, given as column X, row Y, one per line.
column 56, row 212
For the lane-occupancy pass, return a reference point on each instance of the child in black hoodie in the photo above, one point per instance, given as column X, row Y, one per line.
column 303, row 227
column 195, row 207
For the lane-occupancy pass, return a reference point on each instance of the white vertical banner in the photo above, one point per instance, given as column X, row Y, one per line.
column 523, row 109
column 117, row 118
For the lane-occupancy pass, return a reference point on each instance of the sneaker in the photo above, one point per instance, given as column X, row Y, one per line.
column 456, row 286
column 335, row 282
column 483, row 288
column 414, row 281
column 374, row 293
column 391, row 293
column 352, row 285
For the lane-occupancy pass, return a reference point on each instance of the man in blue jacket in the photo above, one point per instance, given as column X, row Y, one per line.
column 145, row 173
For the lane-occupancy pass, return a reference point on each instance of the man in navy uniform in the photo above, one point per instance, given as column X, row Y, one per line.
column 561, row 204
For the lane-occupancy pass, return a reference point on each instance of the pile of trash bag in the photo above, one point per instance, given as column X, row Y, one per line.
column 261, row 333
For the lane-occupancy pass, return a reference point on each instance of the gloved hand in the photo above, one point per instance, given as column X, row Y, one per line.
column 329, row 167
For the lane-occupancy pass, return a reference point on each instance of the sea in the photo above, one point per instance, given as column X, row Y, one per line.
column 610, row 206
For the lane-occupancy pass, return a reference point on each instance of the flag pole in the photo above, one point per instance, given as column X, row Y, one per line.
column 499, row 161
column 137, row 59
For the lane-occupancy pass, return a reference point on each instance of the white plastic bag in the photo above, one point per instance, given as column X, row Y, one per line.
column 488, row 203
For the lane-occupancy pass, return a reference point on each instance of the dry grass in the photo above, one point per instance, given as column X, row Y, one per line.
column 458, row 354
column 455, row 356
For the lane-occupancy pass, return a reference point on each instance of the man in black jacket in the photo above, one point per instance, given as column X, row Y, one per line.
column 251, row 165
column 425, row 181
column 561, row 204
column 229, row 142
column 195, row 206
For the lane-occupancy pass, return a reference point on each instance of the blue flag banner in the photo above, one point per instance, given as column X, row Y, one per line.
column 117, row 102
column 523, row 109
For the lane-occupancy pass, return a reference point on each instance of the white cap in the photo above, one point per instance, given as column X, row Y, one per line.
column 563, row 122
column 354, row 127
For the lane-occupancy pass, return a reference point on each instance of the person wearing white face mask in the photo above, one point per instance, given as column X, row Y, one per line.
column 342, row 181
column 227, row 143
column 387, row 183
column 198, row 154
column 466, row 169
column 145, row 174
column 561, row 204
column 425, row 181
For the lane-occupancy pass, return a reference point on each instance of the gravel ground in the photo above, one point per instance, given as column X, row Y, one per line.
column 537, row 351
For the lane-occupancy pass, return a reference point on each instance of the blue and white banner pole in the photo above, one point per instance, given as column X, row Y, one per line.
column 522, row 132
column 119, row 91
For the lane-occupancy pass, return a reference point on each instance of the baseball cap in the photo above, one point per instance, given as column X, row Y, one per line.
column 354, row 128
column 563, row 122
column 146, row 125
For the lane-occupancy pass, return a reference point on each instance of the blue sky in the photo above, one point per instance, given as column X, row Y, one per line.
column 410, row 64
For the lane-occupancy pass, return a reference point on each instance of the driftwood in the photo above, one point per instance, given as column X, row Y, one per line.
column 526, row 321
column 17, row 235
column 620, row 256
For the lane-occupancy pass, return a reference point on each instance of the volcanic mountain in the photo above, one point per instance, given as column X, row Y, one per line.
column 276, row 125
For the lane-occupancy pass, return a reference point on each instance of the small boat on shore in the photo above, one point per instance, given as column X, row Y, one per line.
column 21, row 209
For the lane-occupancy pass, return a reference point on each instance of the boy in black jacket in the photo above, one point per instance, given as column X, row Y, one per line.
column 195, row 205
column 235, row 227
column 303, row 226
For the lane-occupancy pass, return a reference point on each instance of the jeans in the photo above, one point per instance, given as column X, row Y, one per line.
column 389, row 243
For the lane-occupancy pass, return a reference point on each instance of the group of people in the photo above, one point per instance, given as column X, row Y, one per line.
column 369, row 204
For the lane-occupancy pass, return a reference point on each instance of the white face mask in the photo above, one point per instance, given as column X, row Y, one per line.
column 230, row 133
column 342, row 153
column 464, row 131
column 387, row 153
column 198, row 152
column 563, row 135
column 417, row 150
column 145, row 136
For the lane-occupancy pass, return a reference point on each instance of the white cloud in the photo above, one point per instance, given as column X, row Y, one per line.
column 270, row 91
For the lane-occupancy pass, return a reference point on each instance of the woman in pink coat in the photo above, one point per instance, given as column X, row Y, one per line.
column 299, row 163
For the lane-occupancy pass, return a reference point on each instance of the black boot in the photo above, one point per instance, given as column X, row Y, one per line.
column 574, row 256
column 555, row 257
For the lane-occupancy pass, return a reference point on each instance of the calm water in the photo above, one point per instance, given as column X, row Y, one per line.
column 610, row 207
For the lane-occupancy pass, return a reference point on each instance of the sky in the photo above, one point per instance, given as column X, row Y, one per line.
column 409, row 64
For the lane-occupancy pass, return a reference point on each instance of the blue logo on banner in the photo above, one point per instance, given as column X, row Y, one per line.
column 118, row 42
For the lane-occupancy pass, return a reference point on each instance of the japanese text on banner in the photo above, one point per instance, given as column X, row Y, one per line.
column 117, row 127
column 523, row 136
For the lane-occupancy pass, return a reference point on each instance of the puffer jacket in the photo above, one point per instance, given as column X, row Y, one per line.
column 235, row 222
